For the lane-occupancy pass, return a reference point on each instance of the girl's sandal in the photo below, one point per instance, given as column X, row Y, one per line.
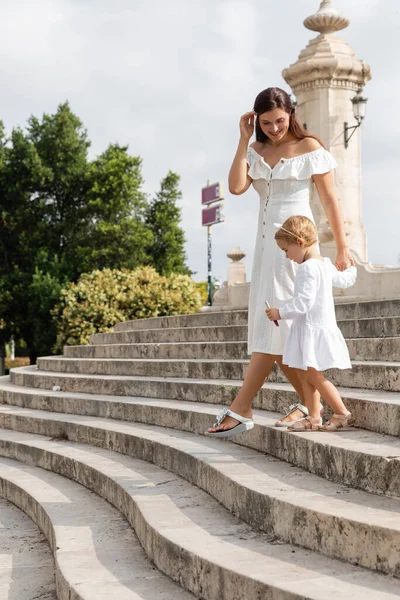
column 305, row 424
column 337, row 423
column 291, row 410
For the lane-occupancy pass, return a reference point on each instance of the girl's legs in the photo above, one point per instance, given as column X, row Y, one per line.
column 298, row 381
column 259, row 369
column 328, row 391
column 312, row 398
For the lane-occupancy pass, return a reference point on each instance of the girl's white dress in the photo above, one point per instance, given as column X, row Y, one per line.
column 315, row 340
column 285, row 191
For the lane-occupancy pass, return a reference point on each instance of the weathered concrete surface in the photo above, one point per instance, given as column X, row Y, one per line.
column 94, row 548
column 368, row 461
column 373, row 409
column 279, row 499
column 383, row 349
column 352, row 328
column 350, row 310
column 195, row 539
column 26, row 561
column 363, row 375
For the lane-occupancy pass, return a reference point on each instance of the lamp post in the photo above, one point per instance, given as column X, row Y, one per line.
column 359, row 107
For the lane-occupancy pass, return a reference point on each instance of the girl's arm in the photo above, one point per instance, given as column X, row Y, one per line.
column 327, row 196
column 344, row 279
column 239, row 181
column 305, row 293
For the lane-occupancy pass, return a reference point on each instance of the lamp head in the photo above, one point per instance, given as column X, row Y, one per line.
column 359, row 106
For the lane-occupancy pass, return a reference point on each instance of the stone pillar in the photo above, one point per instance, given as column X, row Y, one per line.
column 236, row 269
column 324, row 79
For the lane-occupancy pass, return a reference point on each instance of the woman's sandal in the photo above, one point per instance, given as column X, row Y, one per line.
column 291, row 410
column 243, row 425
column 337, row 422
column 305, row 424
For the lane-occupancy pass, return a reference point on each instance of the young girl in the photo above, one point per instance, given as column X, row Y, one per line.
column 315, row 342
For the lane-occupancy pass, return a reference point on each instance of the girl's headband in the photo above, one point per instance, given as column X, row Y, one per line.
column 279, row 226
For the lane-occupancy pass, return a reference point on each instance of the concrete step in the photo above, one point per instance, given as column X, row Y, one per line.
column 183, row 334
column 352, row 310
column 375, row 410
column 193, row 538
column 371, row 375
column 212, row 319
column 360, row 328
column 26, row 561
column 281, row 500
column 368, row 310
column 97, row 554
column 360, row 459
column 386, row 349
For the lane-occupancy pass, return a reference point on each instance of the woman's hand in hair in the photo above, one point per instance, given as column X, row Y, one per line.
column 247, row 125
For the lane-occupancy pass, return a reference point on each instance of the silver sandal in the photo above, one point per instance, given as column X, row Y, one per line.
column 244, row 424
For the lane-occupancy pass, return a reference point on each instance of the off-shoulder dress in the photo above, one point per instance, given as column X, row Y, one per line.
column 284, row 191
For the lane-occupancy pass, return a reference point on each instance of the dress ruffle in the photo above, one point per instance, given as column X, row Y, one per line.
column 299, row 167
column 319, row 349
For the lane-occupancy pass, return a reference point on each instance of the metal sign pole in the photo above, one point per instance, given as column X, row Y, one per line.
column 209, row 255
column 211, row 215
column 209, row 261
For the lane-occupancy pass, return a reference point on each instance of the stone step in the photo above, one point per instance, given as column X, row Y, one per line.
column 375, row 410
column 386, row 349
column 360, row 459
column 352, row 310
column 211, row 319
column 371, row 375
column 361, row 328
column 184, row 334
column 193, row 538
column 97, row 554
column 368, row 310
column 26, row 561
column 281, row 500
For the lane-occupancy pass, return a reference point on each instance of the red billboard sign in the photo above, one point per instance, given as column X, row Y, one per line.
column 212, row 193
column 212, row 215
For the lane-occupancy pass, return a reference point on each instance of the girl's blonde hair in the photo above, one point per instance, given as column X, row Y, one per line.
column 295, row 229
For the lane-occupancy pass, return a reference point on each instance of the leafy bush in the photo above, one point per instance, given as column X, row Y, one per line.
column 202, row 288
column 101, row 299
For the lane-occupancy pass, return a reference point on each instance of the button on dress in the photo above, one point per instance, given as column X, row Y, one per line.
column 284, row 191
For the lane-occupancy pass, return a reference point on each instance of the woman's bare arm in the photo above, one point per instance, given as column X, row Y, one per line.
column 239, row 181
column 333, row 212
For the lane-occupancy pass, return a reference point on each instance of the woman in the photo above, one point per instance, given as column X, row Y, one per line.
column 282, row 165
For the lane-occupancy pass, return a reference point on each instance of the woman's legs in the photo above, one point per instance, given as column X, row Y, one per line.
column 259, row 368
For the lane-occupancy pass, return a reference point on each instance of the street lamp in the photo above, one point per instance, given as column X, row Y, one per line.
column 359, row 107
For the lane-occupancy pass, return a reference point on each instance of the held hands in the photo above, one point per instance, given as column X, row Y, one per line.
column 344, row 259
column 246, row 125
column 273, row 314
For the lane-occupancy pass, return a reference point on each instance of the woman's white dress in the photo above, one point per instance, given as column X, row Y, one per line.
column 284, row 191
column 315, row 340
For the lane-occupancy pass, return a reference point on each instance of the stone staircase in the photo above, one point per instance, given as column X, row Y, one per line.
column 98, row 448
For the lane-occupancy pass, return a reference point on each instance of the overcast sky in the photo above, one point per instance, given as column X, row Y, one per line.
column 171, row 78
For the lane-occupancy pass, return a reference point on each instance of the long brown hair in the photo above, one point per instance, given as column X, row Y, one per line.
column 272, row 98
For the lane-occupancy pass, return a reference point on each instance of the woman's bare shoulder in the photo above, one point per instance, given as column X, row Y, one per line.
column 309, row 144
column 257, row 146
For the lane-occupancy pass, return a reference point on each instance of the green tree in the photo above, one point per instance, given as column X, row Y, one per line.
column 167, row 252
column 62, row 215
column 117, row 235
